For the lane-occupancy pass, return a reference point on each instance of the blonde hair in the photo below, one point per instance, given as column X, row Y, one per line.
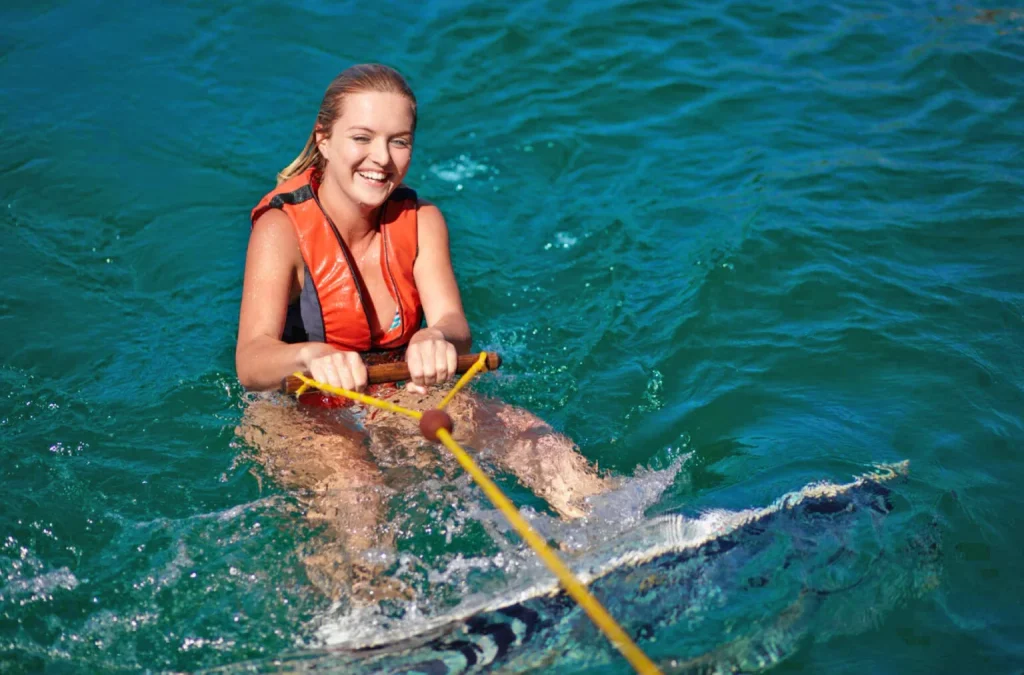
column 353, row 80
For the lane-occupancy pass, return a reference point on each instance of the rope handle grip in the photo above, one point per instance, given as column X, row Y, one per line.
column 395, row 372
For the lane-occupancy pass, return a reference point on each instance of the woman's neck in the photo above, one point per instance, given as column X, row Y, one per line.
column 354, row 223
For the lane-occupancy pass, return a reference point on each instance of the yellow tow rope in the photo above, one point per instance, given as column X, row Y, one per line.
column 576, row 590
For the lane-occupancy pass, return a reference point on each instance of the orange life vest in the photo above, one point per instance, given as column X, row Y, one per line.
column 332, row 307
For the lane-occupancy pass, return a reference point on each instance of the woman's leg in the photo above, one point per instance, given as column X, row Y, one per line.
column 547, row 462
column 334, row 468
column 517, row 441
column 328, row 463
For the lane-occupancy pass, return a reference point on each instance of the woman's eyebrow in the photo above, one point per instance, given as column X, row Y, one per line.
column 368, row 129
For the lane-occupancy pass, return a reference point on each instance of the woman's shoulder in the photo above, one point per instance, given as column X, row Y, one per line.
column 273, row 220
column 274, row 229
column 430, row 216
column 432, row 229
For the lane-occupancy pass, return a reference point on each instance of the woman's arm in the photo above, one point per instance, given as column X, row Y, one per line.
column 272, row 264
column 435, row 280
column 433, row 350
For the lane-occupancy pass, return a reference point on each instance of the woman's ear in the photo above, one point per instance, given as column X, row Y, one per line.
column 321, row 141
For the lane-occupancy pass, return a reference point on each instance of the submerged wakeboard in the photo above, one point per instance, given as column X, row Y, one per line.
column 759, row 576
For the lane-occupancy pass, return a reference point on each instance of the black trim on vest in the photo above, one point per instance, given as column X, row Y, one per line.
column 303, row 194
column 402, row 192
column 304, row 321
column 316, row 311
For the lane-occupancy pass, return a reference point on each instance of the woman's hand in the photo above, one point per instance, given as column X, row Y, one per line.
column 431, row 358
column 336, row 368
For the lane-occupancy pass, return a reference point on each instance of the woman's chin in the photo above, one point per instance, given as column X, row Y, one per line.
column 371, row 199
column 364, row 197
column 369, row 204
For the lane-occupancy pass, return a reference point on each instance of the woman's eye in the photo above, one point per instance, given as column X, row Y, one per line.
column 361, row 139
column 401, row 142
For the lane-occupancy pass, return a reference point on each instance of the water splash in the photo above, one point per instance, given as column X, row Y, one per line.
column 762, row 577
column 460, row 169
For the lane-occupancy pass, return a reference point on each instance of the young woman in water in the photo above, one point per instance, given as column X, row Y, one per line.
column 344, row 263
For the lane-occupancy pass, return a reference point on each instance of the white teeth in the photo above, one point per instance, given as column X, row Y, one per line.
column 373, row 175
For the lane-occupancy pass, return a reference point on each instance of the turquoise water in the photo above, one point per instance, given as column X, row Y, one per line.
column 783, row 238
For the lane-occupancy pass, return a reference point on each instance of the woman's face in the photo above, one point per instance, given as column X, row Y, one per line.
column 370, row 146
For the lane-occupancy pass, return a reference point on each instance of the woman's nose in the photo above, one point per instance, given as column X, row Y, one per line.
column 380, row 153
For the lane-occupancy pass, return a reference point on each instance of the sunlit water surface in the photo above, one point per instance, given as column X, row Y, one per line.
column 730, row 250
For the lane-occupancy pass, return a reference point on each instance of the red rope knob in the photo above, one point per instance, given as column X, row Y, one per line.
column 433, row 420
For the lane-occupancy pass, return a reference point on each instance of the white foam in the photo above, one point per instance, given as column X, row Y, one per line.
column 26, row 590
column 516, row 567
column 459, row 169
column 640, row 542
column 563, row 240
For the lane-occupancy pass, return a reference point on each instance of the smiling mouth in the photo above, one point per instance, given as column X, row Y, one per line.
column 378, row 178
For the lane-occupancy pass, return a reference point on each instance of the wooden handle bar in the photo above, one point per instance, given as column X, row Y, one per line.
column 394, row 372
